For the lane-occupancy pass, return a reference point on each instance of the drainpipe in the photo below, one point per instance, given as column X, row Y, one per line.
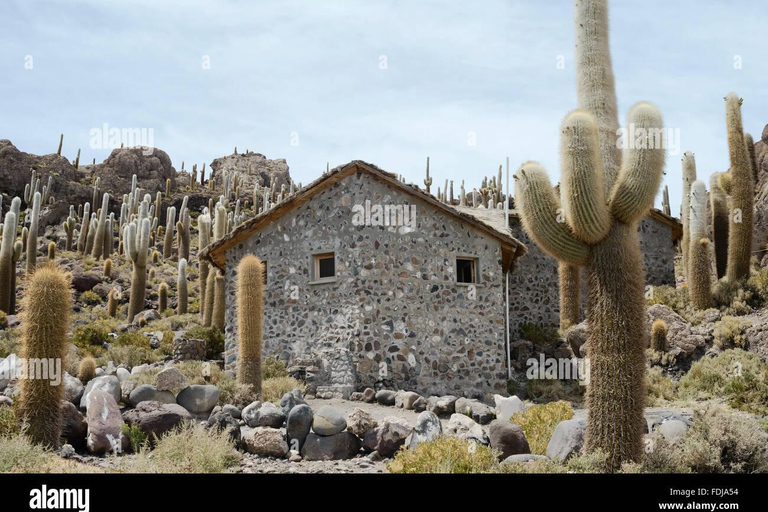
column 506, row 288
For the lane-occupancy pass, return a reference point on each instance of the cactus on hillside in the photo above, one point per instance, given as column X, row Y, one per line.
column 45, row 322
column 752, row 158
column 699, row 281
column 170, row 222
column 181, row 288
column 86, row 371
column 250, row 302
column 162, row 297
column 101, row 228
column 92, row 226
column 210, row 295
column 7, row 267
column 108, row 268
column 51, row 250
column 219, row 308
column 32, row 237
column 718, row 203
column 689, row 176
column 136, row 240
column 204, row 231
column 602, row 236
column 659, row 335
column 742, row 194
column 69, row 229
column 112, row 303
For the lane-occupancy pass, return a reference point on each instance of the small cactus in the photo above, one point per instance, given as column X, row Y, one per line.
column 51, row 250
column 181, row 288
column 86, row 371
column 108, row 268
column 170, row 222
column 155, row 257
column 112, row 303
column 162, row 297
column 45, row 324
column 659, row 335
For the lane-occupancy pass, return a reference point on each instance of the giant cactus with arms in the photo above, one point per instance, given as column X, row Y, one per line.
column 601, row 235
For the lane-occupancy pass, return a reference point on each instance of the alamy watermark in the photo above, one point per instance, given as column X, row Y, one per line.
column 104, row 137
column 561, row 368
column 384, row 215
column 634, row 137
column 32, row 369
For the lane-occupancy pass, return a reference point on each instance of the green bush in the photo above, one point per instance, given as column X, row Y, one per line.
column 136, row 437
column 128, row 355
column 213, row 337
column 273, row 368
column 132, row 339
column 734, row 375
column 544, row 337
column 658, row 387
column 676, row 299
column 272, row 390
column 90, row 298
column 729, row 333
column 3, row 320
column 445, row 455
column 90, row 336
column 538, row 423
column 9, row 426
column 551, row 390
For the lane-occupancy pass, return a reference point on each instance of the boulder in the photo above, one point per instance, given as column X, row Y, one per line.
column 328, row 421
column 265, row 441
column 248, row 414
column 405, row 399
column 343, row 445
column 232, row 411
column 387, row 437
column 155, row 418
column 507, row 438
column 85, row 281
column 171, row 379
column 5, row 401
column 680, row 334
column 427, row 428
column 369, row 395
column 199, row 399
column 9, row 370
column 359, row 422
column 464, row 427
column 148, row 393
column 108, row 383
column 673, row 429
column 223, row 422
column 577, row 339
column 385, row 397
column 420, row 405
column 480, row 412
column 567, row 440
column 74, row 427
column 73, row 389
column 266, row 415
column 442, row 405
column 139, row 369
column 290, row 400
column 105, row 424
column 506, row 407
column 298, row 425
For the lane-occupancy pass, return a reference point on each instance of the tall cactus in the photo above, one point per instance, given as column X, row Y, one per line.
column 170, row 222
column 250, row 301
column 718, row 202
column 699, row 282
column 204, row 233
column 181, row 288
column 69, row 228
column 689, row 176
column 136, row 243
column 602, row 236
column 101, row 228
column 742, row 194
column 219, row 309
column 7, row 268
column 45, row 324
column 32, row 237
column 569, row 277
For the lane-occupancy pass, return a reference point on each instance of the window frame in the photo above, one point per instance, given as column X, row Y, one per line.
column 475, row 269
column 315, row 267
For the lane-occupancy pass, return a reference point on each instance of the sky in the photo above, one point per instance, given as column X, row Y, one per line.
column 389, row 82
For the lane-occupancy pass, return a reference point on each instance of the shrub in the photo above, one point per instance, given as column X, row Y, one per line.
column 90, row 298
column 187, row 449
column 272, row 390
column 676, row 299
column 9, row 425
column 213, row 337
column 128, row 355
column 539, row 421
column 729, row 333
column 545, row 338
column 132, row 339
column 721, row 441
column 549, row 390
column 273, row 368
column 235, row 393
column 90, row 335
column 18, row 455
column 445, row 455
column 659, row 388
column 3, row 320
column 533, row 467
column 663, row 458
column 734, row 375
column 136, row 437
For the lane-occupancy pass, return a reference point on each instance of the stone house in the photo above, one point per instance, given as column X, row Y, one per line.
column 371, row 281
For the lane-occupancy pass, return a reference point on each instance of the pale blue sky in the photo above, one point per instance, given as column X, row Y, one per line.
column 312, row 68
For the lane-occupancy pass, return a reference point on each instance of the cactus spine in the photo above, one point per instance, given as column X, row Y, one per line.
column 611, row 254
column 719, row 208
column 742, row 194
column 699, row 285
column 45, row 323
column 689, row 176
column 250, row 300
column 181, row 288
column 659, row 335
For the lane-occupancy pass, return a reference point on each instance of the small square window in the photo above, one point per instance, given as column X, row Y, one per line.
column 466, row 270
column 325, row 266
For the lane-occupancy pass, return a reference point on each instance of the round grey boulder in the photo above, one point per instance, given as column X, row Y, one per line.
column 148, row 393
column 298, row 425
column 507, row 438
column 328, row 421
column 199, row 398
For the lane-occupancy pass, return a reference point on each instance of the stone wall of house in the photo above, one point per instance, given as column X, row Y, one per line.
column 534, row 293
column 395, row 315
